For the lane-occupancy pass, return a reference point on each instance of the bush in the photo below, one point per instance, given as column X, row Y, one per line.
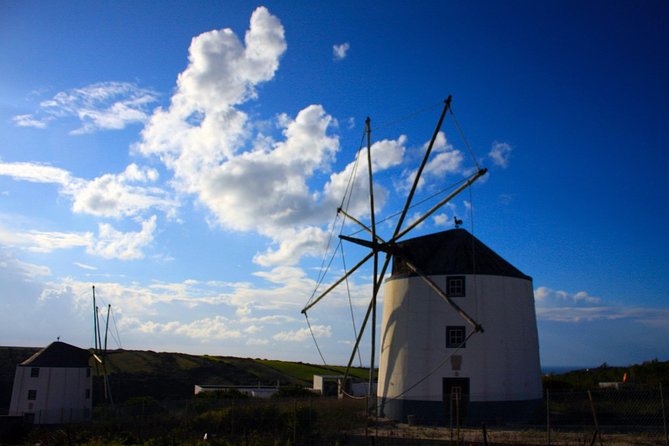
column 294, row 391
column 229, row 394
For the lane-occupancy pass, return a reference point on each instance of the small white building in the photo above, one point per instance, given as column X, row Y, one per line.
column 252, row 391
column 331, row 385
column 54, row 386
column 429, row 368
column 328, row 385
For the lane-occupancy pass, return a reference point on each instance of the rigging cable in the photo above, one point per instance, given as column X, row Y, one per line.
column 350, row 303
column 474, row 269
column 464, row 139
column 314, row 338
column 418, row 203
column 348, row 192
column 433, row 371
column 117, row 338
column 409, row 116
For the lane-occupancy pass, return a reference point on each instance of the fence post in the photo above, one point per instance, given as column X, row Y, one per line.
column 664, row 416
column 548, row 417
column 594, row 417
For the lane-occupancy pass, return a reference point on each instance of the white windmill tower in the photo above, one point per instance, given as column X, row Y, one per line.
column 431, row 368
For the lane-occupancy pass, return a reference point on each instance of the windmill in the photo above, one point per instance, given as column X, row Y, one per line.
column 388, row 248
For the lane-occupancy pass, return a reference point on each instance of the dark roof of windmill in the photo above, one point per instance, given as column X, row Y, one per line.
column 451, row 252
column 59, row 354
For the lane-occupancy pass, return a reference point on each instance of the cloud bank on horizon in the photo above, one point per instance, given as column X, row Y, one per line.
column 277, row 178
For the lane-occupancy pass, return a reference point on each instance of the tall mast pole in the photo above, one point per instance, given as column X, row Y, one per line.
column 107, row 326
column 375, row 288
column 108, row 395
column 97, row 317
column 95, row 321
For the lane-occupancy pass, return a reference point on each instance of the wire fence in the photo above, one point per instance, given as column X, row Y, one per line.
column 608, row 412
column 616, row 416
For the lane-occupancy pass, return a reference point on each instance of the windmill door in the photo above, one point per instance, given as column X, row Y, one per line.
column 456, row 400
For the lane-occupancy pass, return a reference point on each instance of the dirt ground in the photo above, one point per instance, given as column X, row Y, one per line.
column 391, row 433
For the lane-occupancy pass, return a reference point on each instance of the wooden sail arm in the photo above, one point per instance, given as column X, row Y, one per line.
column 334, row 285
column 384, row 247
column 436, row 207
column 361, row 224
column 377, row 286
column 416, row 180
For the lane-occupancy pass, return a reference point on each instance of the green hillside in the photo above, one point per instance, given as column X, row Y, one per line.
column 305, row 372
column 649, row 373
column 135, row 373
column 164, row 375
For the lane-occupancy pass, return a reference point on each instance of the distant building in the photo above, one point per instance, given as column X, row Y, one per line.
column 252, row 391
column 54, row 386
column 330, row 385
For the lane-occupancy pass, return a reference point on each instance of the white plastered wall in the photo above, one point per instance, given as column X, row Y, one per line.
column 60, row 394
column 502, row 363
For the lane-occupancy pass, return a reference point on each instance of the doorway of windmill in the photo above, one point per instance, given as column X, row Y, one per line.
column 456, row 400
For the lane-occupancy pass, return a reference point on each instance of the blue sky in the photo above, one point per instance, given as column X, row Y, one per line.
column 186, row 158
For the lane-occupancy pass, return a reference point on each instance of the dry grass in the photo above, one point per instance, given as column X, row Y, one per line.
column 387, row 433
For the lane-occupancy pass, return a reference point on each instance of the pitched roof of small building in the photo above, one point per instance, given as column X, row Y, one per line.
column 455, row 251
column 58, row 354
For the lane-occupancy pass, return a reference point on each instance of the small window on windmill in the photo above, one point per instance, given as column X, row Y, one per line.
column 32, row 395
column 455, row 336
column 34, row 372
column 455, row 286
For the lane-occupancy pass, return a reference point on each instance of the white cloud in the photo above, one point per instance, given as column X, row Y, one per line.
column 30, row 121
column 85, row 266
column 441, row 219
column 386, row 154
column 248, row 182
column 266, row 190
column 206, row 329
column 340, row 51
column 36, row 173
column 546, row 296
column 114, row 195
column 308, row 241
column 500, row 154
column 320, row 331
column 562, row 306
column 27, row 271
column 113, row 244
column 109, row 195
column 100, row 106
column 41, row 241
column 109, row 242
column 251, row 180
column 444, row 160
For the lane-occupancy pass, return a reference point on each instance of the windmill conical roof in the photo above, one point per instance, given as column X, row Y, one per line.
column 59, row 354
column 455, row 251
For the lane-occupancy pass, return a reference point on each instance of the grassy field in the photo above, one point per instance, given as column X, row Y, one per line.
column 164, row 375
column 305, row 372
column 154, row 405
